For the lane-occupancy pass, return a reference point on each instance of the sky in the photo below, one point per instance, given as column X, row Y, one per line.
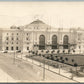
column 56, row 14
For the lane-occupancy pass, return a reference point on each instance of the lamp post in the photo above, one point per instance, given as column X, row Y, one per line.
column 44, row 57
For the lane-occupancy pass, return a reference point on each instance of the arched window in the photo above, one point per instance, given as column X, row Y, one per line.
column 65, row 42
column 54, row 42
column 42, row 42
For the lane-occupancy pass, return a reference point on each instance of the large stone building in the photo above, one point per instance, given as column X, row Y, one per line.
column 38, row 36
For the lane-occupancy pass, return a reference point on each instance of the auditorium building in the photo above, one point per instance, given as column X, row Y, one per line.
column 39, row 36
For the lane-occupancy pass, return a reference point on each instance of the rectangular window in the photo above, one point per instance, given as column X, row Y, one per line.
column 11, row 48
column 7, row 43
column 26, row 38
column 17, row 38
column 7, row 33
column 27, row 33
column 6, row 48
column 16, row 48
column 79, row 47
column 12, row 38
column 27, row 48
column 7, row 38
column 12, row 34
column 17, row 43
column 12, row 42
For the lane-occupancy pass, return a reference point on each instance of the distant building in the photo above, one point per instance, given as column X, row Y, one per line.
column 38, row 36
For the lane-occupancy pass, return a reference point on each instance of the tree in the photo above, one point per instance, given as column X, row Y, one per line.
column 63, row 51
column 62, row 62
column 69, row 51
column 51, row 52
column 58, row 51
column 61, row 58
column 72, row 60
column 50, row 56
column 41, row 50
column 74, row 51
column 47, row 50
column 66, row 59
column 57, row 59
column 39, row 54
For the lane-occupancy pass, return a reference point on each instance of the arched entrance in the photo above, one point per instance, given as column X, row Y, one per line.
column 65, row 42
column 54, row 42
column 41, row 42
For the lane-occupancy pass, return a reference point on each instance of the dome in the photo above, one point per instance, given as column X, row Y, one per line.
column 37, row 22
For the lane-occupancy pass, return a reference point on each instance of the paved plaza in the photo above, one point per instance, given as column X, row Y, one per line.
column 24, row 71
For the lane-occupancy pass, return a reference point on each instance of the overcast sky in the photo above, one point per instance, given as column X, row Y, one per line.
column 56, row 14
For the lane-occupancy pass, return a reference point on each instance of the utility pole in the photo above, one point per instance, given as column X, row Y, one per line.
column 44, row 57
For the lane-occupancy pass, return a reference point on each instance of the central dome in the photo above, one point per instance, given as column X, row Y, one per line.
column 37, row 22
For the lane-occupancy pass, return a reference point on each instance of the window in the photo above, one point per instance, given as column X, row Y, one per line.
column 17, row 38
column 41, row 42
column 6, row 48
column 12, row 48
column 12, row 38
column 16, row 48
column 65, row 42
column 26, row 38
column 12, row 42
column 17, row 43
column 17, row 33
column 27, row 48
column 27, row 33
column 12, row 34
column 7, row 43
column 7, row 38
column 7, row 33
column 79, row 47
column 27, row 42
column 54, row 42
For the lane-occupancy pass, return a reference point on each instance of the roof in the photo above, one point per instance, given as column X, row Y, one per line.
column 37, row 22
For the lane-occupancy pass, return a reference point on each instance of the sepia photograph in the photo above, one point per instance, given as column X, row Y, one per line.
column 41, row 42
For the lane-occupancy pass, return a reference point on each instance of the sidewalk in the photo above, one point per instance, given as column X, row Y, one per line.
column 49, row 75
column 4, row 77
column 56, row 70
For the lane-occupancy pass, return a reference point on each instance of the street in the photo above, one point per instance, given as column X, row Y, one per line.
column 23, row 71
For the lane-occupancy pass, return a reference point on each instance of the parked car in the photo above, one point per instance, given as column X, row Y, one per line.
column 5, row 51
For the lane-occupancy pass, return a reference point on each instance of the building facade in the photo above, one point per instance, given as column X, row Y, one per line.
column 39, row 36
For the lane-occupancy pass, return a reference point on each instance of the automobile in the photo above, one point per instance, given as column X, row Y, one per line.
column 5, row 52
column 18, row 51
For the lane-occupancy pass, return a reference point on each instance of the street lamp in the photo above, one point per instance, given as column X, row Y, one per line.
column 44, row 57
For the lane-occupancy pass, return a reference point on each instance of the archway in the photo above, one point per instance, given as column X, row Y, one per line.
column 54, row 42
column 41, row 42
column 65, row 42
